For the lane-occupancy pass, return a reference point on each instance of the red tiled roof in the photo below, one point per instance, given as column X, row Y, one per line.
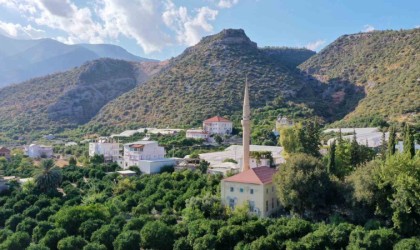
column 137, row 146
column 4, row 150
column 217, row 119
column 260, row 175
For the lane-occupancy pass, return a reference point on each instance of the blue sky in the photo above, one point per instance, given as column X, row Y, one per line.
column 162, row 29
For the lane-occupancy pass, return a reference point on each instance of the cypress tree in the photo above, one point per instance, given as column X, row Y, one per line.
column 354, row 151
column 331, row 158
column 409, row 142
column 391, row 141
column 383, row 147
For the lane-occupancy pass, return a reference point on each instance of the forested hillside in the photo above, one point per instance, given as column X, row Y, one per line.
column 384, row 65
column 208, row 79
column 65, row 100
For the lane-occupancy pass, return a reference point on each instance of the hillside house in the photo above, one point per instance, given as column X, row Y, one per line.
column 5, row 152
column 283, row 122
column 197, row 134
column 253, row 187
column 218, row 125
column 110, row 151
column 39, row 151
column 148, row 156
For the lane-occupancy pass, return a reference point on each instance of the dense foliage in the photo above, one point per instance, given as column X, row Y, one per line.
column 374, row 206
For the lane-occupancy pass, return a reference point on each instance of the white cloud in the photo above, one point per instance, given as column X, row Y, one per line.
column 153, row 24
column 368, row 28
column 315, row 45
column 227, row 3
column 189, row 29
column 16, row 30
column 417, row 26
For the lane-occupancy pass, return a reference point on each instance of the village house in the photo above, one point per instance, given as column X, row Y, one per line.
column 109, row 150
column 283, row 121
column 148, row 156
column 253, row 187
column 218, row 125
column 197, row 134
column 5, row 152
column 39, row 151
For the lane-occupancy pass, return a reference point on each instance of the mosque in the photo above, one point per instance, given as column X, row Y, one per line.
column 252, row 186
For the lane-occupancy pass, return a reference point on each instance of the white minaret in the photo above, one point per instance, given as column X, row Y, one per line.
column 246, row 128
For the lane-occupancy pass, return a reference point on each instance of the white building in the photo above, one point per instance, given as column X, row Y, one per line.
column 400, row 146
column 38, row 151
column 110, row 151
column 218, row 162
column 218, row 125
column 146, row 155
column 253, row 187
column 372, row 137
column 197, row 134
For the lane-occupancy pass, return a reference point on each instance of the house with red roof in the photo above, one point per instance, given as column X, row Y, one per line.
column 218, row 125
column 5, row 152
column 254, row 187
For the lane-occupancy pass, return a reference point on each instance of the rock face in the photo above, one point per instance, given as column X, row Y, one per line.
column 66, row 100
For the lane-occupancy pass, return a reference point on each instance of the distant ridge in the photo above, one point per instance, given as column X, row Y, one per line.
column 21, row 60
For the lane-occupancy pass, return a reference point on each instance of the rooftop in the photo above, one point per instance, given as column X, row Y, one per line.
column 140, row 143
column 217, row 119
column 260, row 175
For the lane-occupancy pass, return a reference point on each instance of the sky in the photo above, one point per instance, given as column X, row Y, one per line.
column 162, row 29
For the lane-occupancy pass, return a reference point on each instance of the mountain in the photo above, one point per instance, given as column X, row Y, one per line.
column 24, row 59
column 383, row 68
column 208, row 79
column 68, row 99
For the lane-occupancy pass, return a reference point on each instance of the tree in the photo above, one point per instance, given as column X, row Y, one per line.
column 97, row 159
column 409, row 147
column 302, row 184
column 218, row 139
column 127, row 240
column 309, row 138
column 354, row 152
column 331, row 158
column 40, row 230
column 87, row 228
column 106, row 235
column 48, row 177
column 71, row 243
column 16, row 241
column 391, row 141
column 364, row 194
column 52, row 238
column 399, row 183
column 70, row 218
column 289, row 139
column 203, row 166
column 72, row 161
column 383, row 147
column 94, row 246
column 408, row 244
column 157, row 235
column 301, row 138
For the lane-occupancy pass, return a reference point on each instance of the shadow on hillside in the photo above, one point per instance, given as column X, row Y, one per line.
column 333, row 99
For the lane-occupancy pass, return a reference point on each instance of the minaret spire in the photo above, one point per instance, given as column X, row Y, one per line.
column 246, row 128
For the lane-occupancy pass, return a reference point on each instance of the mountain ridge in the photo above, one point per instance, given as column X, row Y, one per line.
column 22, row 60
